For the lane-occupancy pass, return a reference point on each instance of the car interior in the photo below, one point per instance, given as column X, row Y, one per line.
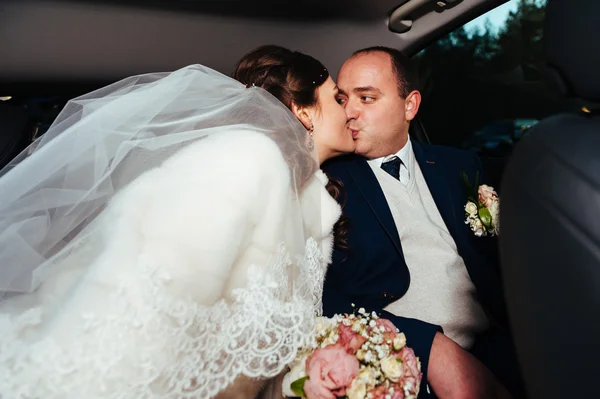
column 514, row 80
column 551, row 270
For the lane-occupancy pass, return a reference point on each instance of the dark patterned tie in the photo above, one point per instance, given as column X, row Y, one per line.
column 392, row 166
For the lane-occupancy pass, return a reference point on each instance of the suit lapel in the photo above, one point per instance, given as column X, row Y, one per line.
column 437, row 176
column 367, row 183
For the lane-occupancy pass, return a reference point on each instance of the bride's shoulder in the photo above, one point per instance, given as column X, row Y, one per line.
column 228, row 164
column 243, row 149
column 236, row 170
column 246, row 140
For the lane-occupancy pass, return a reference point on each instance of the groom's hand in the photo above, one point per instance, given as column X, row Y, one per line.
column 455, row 373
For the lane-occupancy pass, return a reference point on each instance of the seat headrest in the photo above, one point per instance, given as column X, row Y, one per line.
column 572, row 37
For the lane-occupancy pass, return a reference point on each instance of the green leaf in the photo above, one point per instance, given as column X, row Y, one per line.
column 468, row 187
column 298, row 386
column 486, row 217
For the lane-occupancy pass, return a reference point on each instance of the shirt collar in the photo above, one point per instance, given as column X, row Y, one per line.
column 403, row 154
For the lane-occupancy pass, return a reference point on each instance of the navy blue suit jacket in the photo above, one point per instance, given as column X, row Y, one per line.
column 372, row 272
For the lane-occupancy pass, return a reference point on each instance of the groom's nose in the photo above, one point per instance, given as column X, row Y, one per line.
column 352, row 110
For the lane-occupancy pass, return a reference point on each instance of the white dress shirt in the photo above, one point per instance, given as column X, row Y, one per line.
column 405, row 155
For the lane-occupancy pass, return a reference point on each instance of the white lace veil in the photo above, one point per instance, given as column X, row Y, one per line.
column 53, row 194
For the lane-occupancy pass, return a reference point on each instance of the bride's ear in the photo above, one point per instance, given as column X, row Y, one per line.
column 303, row 115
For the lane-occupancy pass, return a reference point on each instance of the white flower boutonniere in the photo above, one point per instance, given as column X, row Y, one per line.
column 482, row 209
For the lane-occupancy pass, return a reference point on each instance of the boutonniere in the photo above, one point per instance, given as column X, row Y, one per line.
column 482, row 209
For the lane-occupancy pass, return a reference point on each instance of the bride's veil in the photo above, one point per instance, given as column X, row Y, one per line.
column 55, row 192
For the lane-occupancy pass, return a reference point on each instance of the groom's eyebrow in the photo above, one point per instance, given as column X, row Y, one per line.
column 365, row 89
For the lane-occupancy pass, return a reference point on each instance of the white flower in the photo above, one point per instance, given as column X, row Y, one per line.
column 494, row 208
column 329, row 340
column 369, row 357
column 471, row 208
column 399, row 341
column 477, row 227
column 360, row 354
column 495, row 212
column 376, row 339
column 392, row 368
column 323, row 325
column 382, row 351
column 297, row 371
column 357, row 390
column 368, row 376
column 408, row 387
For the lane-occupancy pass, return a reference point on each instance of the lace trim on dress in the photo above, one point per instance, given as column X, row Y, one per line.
column 149, row 344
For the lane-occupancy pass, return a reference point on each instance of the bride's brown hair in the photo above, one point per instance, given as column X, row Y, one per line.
column 293, row 78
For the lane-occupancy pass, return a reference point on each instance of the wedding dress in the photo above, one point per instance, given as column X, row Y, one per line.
column 166, row 238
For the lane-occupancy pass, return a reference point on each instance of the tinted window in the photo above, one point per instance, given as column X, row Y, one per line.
column 484, row 84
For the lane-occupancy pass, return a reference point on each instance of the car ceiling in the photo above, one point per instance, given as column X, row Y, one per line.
column 110, row 39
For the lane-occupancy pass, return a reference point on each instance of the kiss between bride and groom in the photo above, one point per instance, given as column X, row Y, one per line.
column 173, row 235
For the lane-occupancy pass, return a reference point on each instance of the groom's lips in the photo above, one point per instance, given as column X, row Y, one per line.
column 354, row 133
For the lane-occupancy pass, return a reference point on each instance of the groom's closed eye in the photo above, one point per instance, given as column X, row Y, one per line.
column 341, row 97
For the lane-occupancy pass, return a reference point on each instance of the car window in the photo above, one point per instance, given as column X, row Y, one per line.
column 484, row 85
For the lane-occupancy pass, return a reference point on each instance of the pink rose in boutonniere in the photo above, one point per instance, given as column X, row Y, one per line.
column 486, row 195
column 482, row 209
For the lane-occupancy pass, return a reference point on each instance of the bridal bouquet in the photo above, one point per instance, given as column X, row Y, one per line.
column 356, row 357
column 482, row 209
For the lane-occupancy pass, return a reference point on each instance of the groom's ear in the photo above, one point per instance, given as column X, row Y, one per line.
column 303, row 115
column 411, row 105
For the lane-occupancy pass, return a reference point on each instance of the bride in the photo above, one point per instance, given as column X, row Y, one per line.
column 168, row 236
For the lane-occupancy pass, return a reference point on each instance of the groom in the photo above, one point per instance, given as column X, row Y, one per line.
column 409, row 253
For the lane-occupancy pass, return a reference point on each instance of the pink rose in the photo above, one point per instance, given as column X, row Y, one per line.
column 349, row 339
column 378, row 392
column 398, row 392
column 390, row 329
column 487, row 195
column 388, row 325
column 382, row 391
column 330, row 371
column 410, row 369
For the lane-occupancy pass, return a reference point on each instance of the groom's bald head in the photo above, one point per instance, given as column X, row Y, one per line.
column 401, row 66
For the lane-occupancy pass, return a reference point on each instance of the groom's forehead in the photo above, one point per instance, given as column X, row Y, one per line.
column 367, row 61
column 365, row 72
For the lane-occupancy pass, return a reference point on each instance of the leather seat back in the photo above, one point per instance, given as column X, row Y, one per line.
column 550, row 220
